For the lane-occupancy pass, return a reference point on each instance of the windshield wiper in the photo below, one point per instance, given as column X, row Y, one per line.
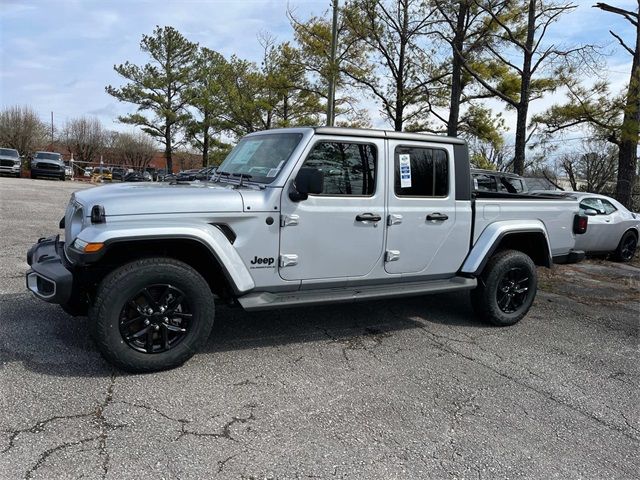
column 242, row 177
column 220, row 173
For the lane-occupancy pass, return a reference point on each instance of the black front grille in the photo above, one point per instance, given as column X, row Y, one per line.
column 47, row 166
column 6, row 163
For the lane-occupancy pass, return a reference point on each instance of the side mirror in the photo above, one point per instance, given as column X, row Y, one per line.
column 591, row 213
column 308, row 181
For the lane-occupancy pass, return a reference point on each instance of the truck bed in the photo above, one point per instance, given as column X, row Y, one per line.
column 555, row 213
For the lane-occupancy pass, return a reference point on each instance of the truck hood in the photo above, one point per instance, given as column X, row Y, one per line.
column 160, row 198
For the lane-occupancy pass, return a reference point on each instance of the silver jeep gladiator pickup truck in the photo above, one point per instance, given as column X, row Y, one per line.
column 298, row 216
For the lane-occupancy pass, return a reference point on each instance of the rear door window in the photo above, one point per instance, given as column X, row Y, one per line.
column 421, row 172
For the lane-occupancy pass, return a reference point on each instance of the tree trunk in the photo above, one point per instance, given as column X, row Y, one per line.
column 521, row 138
column 456, row 71
column 205, row 139
column 525, row 86
column 168, row 148
column 627, row 153
column 398, row 121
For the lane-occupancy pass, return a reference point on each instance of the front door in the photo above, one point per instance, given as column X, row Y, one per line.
column 423, row 237
column 603, row 231
column 340, row 232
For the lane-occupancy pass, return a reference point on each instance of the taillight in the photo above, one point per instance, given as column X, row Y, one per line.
column 580, row 223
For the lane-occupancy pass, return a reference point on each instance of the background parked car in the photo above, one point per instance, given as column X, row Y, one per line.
column 68, row 171
column 169, row 177
column 136, row 176
column 153, row 173
column 613, row 230
column 492, row 181
column 47, row 164
column 187, row 175
column 101, row 174
column 118, row 173
column 206, row 173
column 162, row 172
column 10, row 163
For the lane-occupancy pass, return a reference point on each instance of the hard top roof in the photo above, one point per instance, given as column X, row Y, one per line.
column 370, row 133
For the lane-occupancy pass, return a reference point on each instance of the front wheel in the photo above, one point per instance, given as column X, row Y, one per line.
column 506, row 288
column 151, row 314
column 626, row 248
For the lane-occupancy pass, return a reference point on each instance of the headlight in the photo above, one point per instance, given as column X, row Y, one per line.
column 74, row 221
column 80, row 244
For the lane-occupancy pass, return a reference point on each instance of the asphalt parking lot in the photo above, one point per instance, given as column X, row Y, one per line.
column 413, row 388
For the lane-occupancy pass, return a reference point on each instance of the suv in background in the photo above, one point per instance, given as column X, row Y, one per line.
column 501, row 182
column 47, row 164
column 10, row 162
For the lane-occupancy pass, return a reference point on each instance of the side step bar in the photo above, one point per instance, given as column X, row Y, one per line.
column 265, row 300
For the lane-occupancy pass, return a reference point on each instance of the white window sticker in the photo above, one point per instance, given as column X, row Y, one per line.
column 274, row 171
column 405, row 170
column 245, row 154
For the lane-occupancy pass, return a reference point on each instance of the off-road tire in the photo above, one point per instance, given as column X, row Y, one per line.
column 627, row 247
column 484, row 297
column 115, row 291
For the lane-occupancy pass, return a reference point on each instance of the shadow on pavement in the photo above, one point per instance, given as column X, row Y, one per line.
column 48, row 341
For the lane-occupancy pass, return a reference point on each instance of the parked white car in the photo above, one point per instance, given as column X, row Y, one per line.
column 613, row 229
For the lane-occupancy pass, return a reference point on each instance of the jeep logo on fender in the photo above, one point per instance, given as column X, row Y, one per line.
column 263, row 262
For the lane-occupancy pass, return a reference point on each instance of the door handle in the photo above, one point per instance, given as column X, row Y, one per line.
column 368, row 217
column 437, row 217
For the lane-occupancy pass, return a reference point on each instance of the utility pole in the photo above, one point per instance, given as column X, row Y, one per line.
column 332, row 79
column 51, row 129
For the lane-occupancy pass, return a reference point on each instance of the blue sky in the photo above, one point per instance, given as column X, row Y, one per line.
column 58, row 55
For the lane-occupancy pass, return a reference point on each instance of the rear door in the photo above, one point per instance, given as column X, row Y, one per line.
column 422, row 238
column 340, row 232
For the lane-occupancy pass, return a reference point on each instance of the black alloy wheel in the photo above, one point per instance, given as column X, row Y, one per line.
column 151, row 314
column 512, row 290
column 155, row 319
column 628, row 246
column 506, row 288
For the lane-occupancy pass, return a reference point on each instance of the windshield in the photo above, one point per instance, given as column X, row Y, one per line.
column 260, row 157
column 7, row 152
column 47, row 156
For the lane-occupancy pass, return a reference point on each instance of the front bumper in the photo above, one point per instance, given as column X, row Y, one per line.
column 44, row 172
column 49, row 277
column 7, row 169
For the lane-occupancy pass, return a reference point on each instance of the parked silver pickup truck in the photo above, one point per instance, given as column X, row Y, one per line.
column 299, row 216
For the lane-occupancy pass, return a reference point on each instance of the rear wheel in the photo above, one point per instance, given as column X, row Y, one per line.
column 152, row 314
column 626, row 248
column 506, row 289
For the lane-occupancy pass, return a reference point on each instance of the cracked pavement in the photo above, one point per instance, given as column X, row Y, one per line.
column 413, row 388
